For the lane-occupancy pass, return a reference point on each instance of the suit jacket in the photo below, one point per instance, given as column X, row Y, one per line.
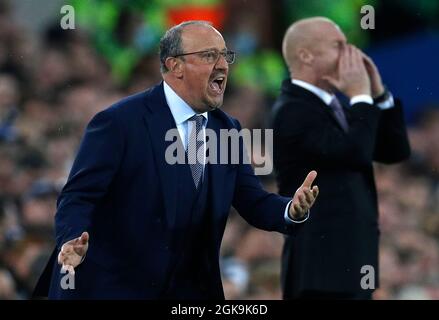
column 342, row 233
column 123, row 192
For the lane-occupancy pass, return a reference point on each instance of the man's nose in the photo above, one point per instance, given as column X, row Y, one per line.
column 222, row 63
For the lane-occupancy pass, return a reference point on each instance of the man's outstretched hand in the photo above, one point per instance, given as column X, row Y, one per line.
column 73, row 252
column 304, row 197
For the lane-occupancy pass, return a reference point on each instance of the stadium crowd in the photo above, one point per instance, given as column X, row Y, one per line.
column 51, row 86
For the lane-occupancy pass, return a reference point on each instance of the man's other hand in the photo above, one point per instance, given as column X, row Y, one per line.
column 304, row 197
column 73, row 252
column 353, row 79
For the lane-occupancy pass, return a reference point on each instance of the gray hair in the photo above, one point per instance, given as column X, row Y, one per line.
column 170, row 43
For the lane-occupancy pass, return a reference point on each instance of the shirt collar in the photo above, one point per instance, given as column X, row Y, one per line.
column 180, row 110
column 325, row 96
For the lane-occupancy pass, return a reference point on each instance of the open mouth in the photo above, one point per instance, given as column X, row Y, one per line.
column 217, row 84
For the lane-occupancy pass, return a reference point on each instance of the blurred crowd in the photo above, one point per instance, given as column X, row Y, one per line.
column 51, row 86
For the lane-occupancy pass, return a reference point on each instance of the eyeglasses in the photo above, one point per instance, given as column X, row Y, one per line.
column 211, row 56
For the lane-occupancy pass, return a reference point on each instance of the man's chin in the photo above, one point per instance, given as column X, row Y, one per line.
column 209, row 106
column 215, row 104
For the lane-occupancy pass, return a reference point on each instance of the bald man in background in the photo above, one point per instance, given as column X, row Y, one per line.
column 325, row 258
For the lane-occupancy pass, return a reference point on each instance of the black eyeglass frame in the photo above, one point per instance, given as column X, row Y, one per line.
column 223, row 53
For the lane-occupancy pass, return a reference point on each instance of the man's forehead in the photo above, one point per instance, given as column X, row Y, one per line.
column 207, row 36
column 332, row 32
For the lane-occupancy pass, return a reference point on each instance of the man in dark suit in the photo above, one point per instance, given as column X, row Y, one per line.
column 335, row 254
column 130, row 224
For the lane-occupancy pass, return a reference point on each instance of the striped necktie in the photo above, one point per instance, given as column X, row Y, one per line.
column 195, row 142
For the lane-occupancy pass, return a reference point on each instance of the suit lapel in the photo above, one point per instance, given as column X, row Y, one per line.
column 158, row 121
column 299, row 91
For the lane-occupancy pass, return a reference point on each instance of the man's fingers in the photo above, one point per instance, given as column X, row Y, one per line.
column 357, row 57
column 66, row 248
column 357, row 60
column 315, row 191
column 70, row 252
column 361, row 62
column 84, row 238
column 309, row 179
column 64, row 259
column 306, row 201
column 368, row 60
column 365, row 56
column 302, row 200
column 61, row 258
column 82, row 245
column 343, row 63
column 349, row 56
column 80, row 249
column 305, row 195
column 298, row 209
column 69, row 268
column 309, row 195
column 81, row 240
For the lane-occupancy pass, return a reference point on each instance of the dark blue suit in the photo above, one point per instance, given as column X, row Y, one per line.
column 152, row 235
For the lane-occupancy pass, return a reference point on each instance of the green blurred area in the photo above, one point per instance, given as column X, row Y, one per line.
column 346, row 13
column 263, row 69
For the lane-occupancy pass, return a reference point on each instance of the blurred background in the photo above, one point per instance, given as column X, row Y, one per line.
column 52, row 81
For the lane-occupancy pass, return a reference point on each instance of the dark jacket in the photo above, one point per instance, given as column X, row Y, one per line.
column 132, row 202
column 327, row 253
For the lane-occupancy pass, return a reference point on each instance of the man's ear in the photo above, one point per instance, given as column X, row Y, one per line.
column 175, row 66
column 305, row 56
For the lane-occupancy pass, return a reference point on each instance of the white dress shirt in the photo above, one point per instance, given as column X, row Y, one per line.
column 182, row 112
column 327, row 97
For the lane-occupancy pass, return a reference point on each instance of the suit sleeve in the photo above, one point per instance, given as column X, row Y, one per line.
column 301, row 128
column 392, row 144
column 96, row 163
column 258, row 207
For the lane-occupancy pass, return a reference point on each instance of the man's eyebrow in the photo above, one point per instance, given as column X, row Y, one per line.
column 213, row 48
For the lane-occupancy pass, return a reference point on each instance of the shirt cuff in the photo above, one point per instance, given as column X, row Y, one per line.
column 387, row 104
column 361, row 98
column 289, row 220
